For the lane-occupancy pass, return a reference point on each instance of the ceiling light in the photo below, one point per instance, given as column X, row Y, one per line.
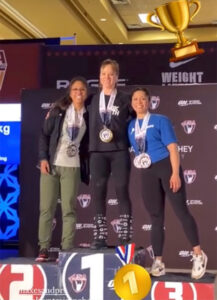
column 103, row 19
column 143, row 17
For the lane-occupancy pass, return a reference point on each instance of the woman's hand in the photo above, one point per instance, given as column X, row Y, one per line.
column 175, row 183
column 45, row 167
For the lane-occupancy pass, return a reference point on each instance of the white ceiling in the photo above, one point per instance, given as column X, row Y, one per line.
column 21, row 19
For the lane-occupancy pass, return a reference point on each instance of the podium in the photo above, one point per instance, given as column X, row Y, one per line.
column 85, row 274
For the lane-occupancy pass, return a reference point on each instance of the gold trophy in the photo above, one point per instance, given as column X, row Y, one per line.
column 175, row 16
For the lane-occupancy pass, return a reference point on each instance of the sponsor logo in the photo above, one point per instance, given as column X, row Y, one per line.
column 189, row 102
column 3, row 67
column 176, row 78
column 22, row 282
column 61, row 83
column 78, row 282
column 46, row 105
column 84, row 200
column 189, row 126
column 84, row 245
column 54, row 249
column 154, row 102
column 194, row 202
column 190, row 176
column 185, row 253
column 116, row 225
column 173, row 290
column 5, row 129
column 84, row 226
column 180, row 63
column 146, row 227
column 110, row 284
column 3, row 158
column 113, row 202
column 185, row 148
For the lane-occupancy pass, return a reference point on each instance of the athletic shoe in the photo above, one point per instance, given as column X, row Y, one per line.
column 98, row 245
column 157, row 268
column 199, row 265
column 43, row 255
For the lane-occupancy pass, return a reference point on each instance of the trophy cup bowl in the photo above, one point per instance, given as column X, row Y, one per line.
column 175, row 17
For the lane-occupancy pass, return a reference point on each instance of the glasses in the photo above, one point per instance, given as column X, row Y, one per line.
column 78, row 90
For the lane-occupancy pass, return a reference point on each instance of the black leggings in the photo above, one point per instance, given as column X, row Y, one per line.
column 155, row 186
column 116, row 164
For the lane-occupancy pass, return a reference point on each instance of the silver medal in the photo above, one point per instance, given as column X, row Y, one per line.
column 106, row 135
column 142, row 161
column 136, row 162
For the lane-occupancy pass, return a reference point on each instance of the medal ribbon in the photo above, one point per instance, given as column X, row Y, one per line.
column 126, row 253
column 140, row 132
column 106, row 112
column 74, row 120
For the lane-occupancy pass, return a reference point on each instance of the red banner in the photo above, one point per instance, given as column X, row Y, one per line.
column 19, row 68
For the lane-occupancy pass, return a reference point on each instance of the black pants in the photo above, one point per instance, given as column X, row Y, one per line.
column 155, row 186
column 117, row 165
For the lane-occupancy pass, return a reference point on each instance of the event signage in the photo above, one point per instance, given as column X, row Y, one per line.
column 86, row 277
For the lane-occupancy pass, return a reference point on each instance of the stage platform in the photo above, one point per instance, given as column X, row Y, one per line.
column 85, row 274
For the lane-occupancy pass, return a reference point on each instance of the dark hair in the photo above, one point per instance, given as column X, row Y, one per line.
column 141, row 89
column 111, row 62
column 66, row 100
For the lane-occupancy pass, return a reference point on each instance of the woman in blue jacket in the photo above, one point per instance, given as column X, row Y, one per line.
column 156, row 155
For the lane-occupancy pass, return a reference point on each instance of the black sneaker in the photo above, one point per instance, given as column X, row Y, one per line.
column 98, row 245
column 43, row 255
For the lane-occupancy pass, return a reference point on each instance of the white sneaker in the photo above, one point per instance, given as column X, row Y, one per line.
column 157, row 268
column 199, row 265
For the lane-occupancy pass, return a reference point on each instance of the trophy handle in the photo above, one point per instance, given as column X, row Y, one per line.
column 149, row 20
column 198, row 5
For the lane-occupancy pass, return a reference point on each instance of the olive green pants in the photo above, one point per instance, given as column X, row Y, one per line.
column 63, row 183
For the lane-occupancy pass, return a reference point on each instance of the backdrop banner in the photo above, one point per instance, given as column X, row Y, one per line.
column 19, row 68
column 193, row 112
column 139, row 64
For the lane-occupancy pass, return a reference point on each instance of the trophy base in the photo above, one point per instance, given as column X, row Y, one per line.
column 187, row 51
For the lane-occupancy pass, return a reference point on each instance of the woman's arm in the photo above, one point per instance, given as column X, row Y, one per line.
column 175, row 182
column 44, row 140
